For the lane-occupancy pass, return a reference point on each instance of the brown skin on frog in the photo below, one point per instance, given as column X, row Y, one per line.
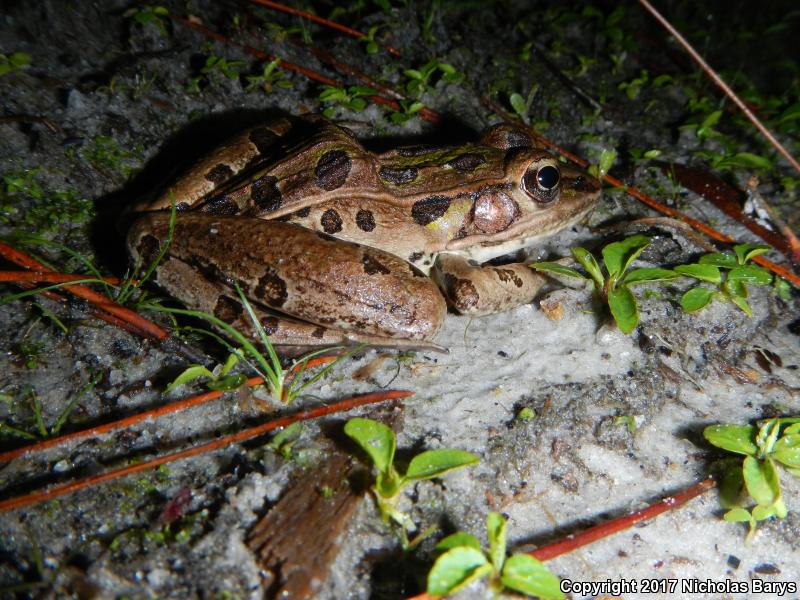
column 332, row 243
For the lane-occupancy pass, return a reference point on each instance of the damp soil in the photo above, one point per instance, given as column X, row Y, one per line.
column 110, row 108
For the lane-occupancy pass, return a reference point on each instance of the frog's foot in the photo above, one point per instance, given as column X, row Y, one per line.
column 482, row 290
column 364, row 294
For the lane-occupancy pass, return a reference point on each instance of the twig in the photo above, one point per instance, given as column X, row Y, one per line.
column 331, row 24
column 759, row 202
column 649, row 200
column 603, row 530
column 720, row 83
column 247, row 434
column 48, row 277
column 147, row 328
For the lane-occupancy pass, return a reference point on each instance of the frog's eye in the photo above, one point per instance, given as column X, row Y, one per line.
column 541, row 183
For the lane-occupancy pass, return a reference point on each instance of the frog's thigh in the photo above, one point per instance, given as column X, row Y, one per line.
column 484, row 290
column 302, row 273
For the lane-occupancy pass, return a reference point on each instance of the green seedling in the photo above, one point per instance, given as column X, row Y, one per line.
column 408, row 110
column 220, row 379
column 25, row 205
column 603, row 165
column 284, row 384
column 731, row 272
column 419, row 79
column 614, row 289
column 372, row 46
column 462, row 561
column 283, row 441
column 634, row 87
column 773, row 442
column 378, row 442
column 149, row 15
column 522, row 106
column 271, row 77
column 14, row 62
column 352, row 98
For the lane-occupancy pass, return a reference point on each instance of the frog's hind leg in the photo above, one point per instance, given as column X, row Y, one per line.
column 483, row 290
column 365, row 294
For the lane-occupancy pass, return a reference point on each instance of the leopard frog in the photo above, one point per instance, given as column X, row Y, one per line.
column 335, row 244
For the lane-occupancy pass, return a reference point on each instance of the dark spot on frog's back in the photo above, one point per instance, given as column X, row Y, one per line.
column 272, row 289
column 372, row 266
column 270, row 325
column 331, row 221
column 461, row 292
column 399, row 175
column 365, row 220
column 221, row 207
column 303, row 212
column 429, row 209
column 466, row 163
column 148, row 248
column 332, row 169
column 265, row 193
column 263, row 139
column 219, row 173
column 227, row 309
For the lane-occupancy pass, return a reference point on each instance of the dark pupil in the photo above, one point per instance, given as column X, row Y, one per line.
column 547, row 177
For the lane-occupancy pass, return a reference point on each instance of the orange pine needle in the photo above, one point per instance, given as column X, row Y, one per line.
column 48, row 277
column 247, row 434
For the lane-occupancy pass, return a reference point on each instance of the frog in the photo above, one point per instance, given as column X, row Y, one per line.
column 332, row 244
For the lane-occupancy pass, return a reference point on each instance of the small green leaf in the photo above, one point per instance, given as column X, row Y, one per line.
column 455, row 569
column 623, row 308
column 619, row 255
column 746, row 252
column 761, row 480
column 376, row 439
column 787, row 450
column 696, row 299
column 435, row 463
column 525, row 574
column 518, row 104
column 721, row 259
column 557, row 269
column 649, row 274
column 583, row 256
column 704, row 272
column 456, row 540
column 738, row 515
column 742, row 304
column 763, row 512
column 496, row 532
column 190, row 374
column 733, row 438
column 228, row 383
column 750, row 274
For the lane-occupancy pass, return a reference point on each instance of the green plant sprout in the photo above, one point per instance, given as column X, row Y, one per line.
column 369, row 39
column 149, row 15
column 408, row 110
column 220, row 379
column 731, row 272
column 25, row 205
column 351, row 98
column 284, row 384
column 14, row 62
column 614, row 289
column 106, row 154
column 271, row 77
column 772, row 442
column 462, row 561
column 521, row 105
column 378, row 442
column 418, row 79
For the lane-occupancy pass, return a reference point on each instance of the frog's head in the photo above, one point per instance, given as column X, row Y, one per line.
column 539, row 197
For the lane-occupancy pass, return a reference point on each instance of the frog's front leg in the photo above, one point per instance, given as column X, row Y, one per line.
column 483, row 290
column 298, row 272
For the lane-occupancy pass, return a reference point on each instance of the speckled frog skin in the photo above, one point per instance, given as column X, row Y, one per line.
column 335, row 244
